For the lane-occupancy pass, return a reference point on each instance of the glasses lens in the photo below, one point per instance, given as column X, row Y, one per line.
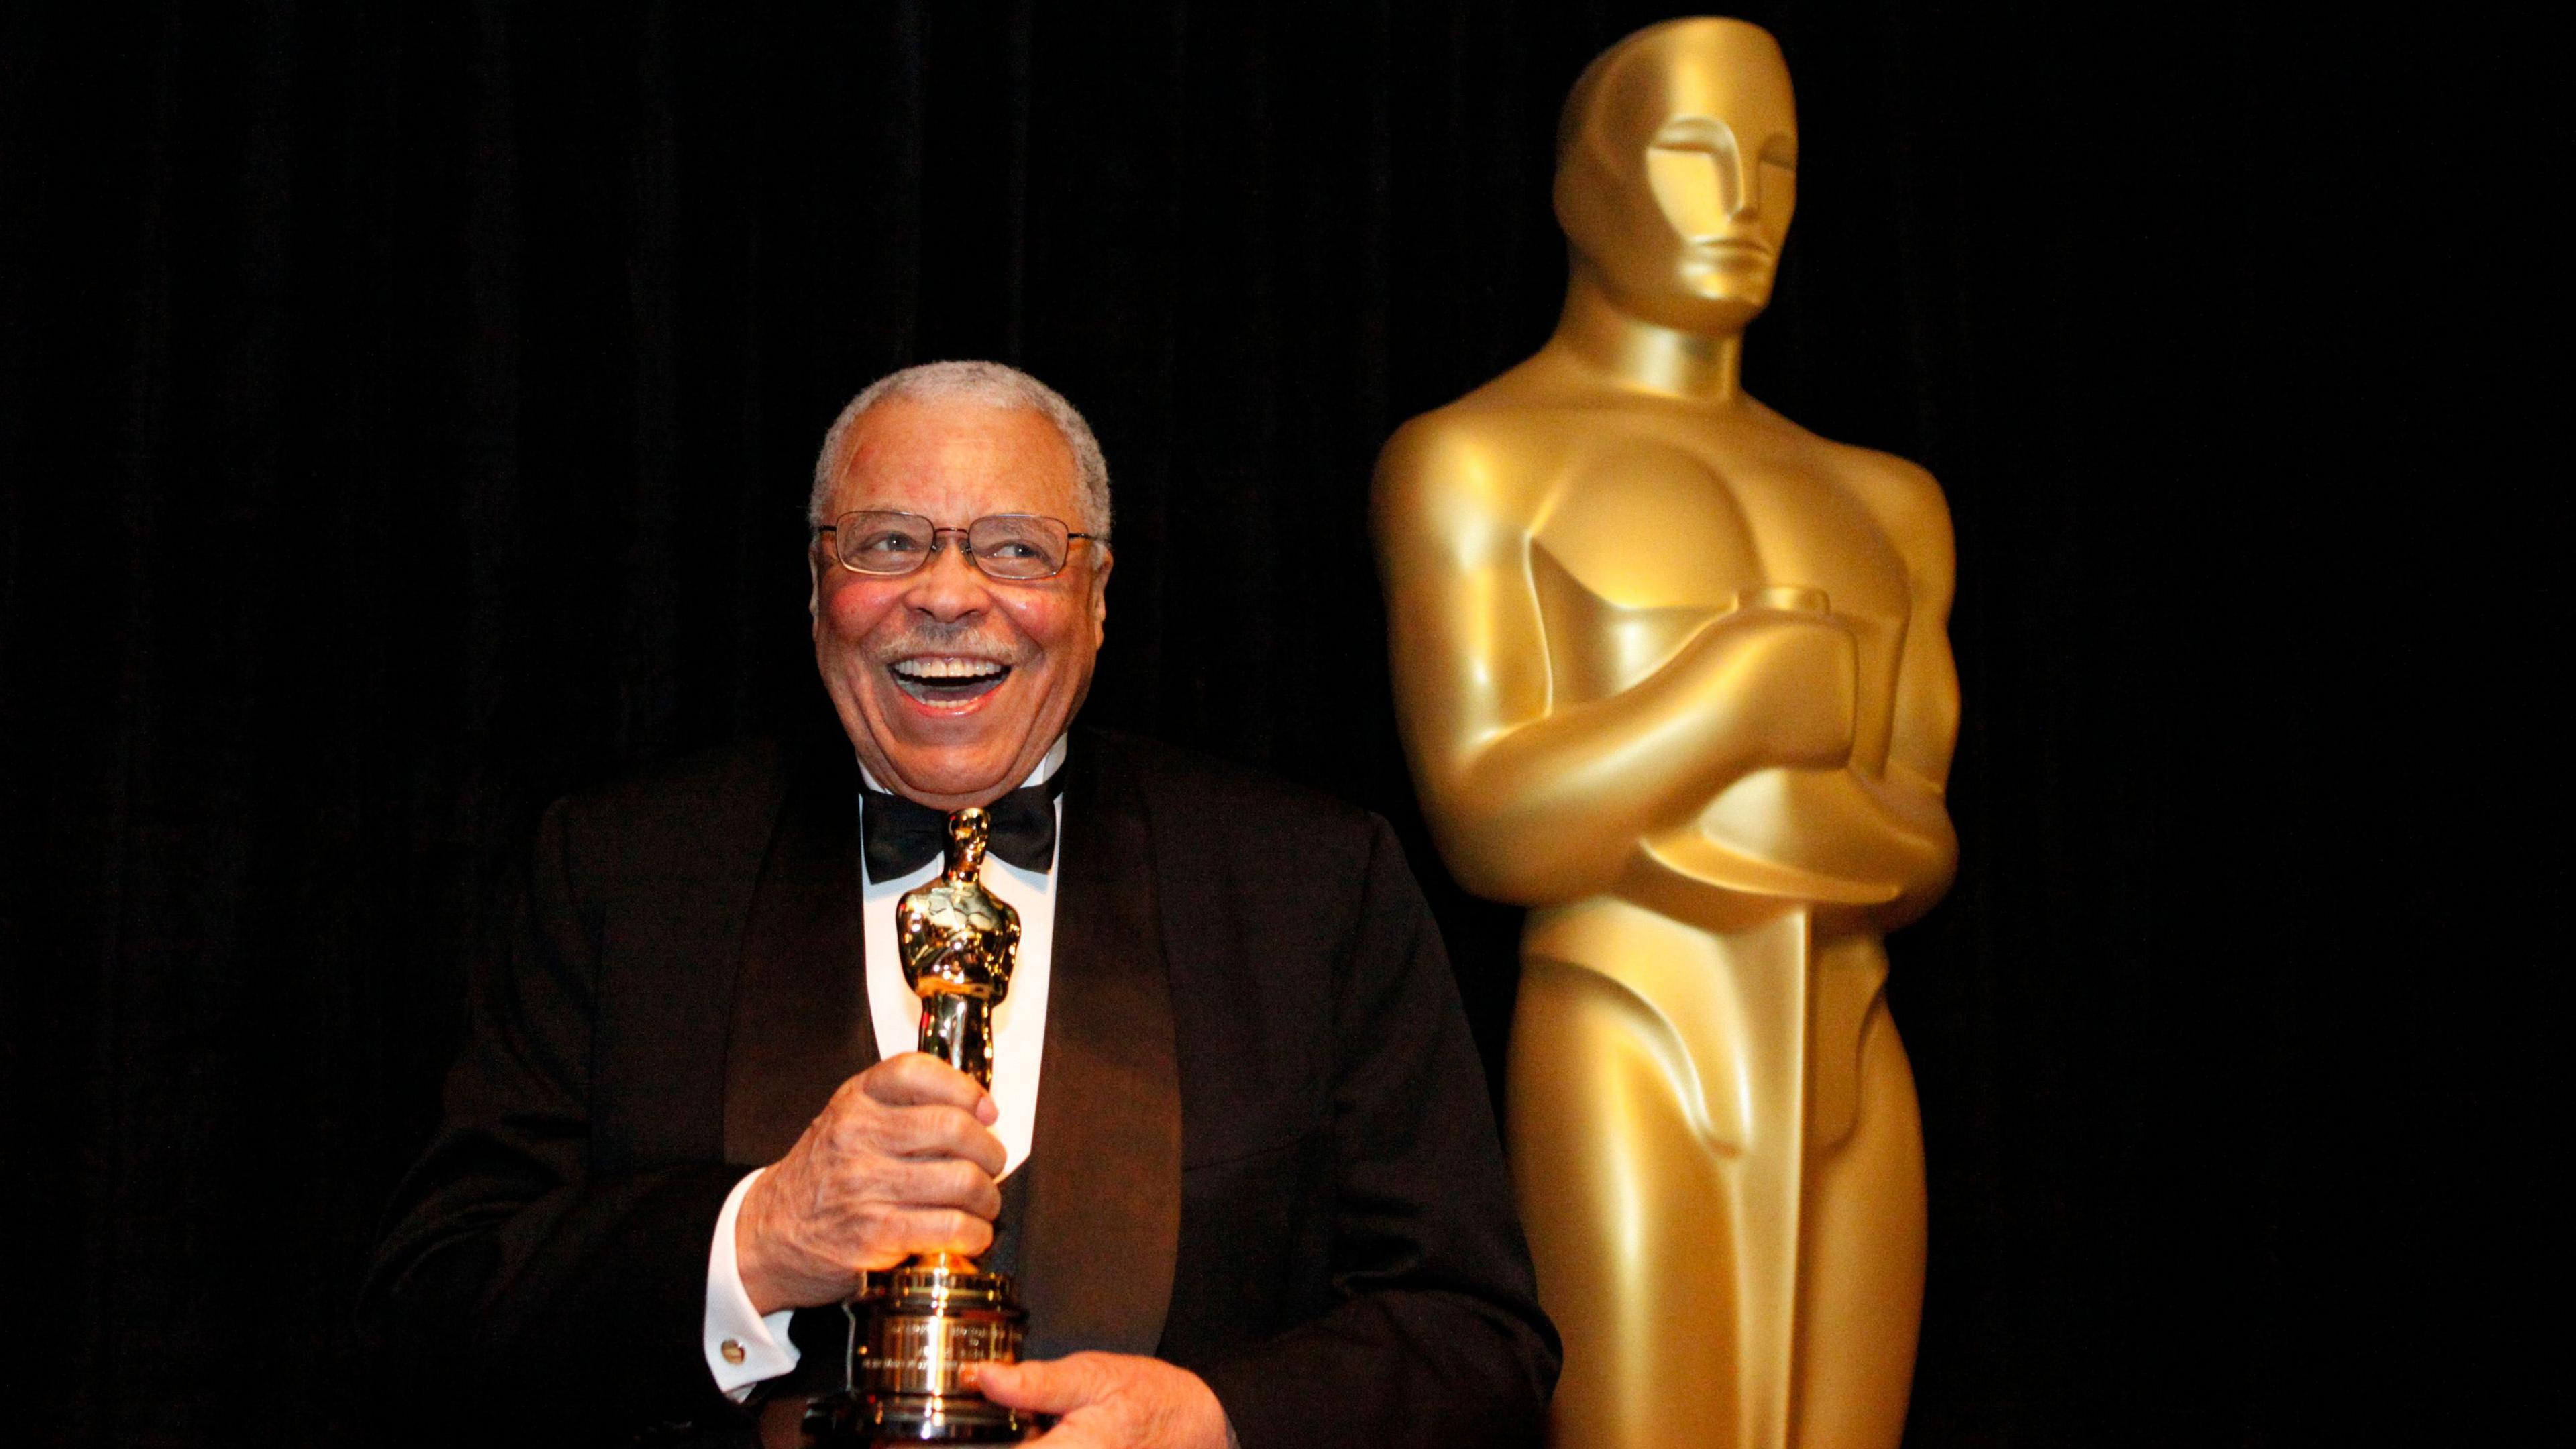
column 883, row 543
column 1018, row 545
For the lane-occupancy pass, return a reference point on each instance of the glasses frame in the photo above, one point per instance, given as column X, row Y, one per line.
column 938, row 535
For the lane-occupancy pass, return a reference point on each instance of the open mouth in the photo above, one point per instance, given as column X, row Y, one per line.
column 947, row 678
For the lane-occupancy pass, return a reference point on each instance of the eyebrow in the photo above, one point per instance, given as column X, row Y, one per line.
column 1684, row 130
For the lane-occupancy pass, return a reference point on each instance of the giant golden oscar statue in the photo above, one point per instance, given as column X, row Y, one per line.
column 1672, row 672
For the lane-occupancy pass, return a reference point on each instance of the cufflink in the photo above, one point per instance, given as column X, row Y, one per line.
column 731, row 1348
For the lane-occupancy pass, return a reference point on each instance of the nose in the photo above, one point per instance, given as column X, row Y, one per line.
column 1739, row 181
column 949, row 587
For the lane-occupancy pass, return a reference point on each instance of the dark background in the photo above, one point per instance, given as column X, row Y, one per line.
column 405, row 418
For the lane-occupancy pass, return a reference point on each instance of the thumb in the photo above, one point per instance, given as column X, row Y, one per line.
column 1045, row 1386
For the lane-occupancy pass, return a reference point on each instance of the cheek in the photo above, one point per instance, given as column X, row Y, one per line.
column 1056, row 626
column 848, row 613
column 1779, row 202
column 1686, row 187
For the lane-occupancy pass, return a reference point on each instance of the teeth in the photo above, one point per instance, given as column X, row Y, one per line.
column 948, row 668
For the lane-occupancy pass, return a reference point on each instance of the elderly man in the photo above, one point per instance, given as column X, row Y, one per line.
column 1236, row 1148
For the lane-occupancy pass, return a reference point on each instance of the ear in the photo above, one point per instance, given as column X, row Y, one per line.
column 814, row 582
column 1100, row 595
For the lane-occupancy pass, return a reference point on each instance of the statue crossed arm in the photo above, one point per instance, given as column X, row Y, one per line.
column 1537, row 798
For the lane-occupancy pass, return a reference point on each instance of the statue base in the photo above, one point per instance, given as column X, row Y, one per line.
column 924, row 1322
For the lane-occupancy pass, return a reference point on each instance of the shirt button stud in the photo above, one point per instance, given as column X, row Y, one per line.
column 731, row 1349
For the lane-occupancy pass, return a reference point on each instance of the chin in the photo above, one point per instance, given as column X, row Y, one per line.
column 1725, row 307
column 970, row 764
column 950, row 766
column 1694, row 300
column 958, row 770
column 1727, row 286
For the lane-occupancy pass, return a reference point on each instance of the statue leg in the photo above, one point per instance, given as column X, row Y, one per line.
column 1720, row 1163
column 1629, row 1214
column 1860, row 1291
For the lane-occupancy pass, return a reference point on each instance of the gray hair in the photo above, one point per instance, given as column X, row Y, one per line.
column 992, row 384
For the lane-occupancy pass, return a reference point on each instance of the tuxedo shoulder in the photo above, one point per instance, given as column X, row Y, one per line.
column 1238, row 797
column 683, row 805
column 691, row 780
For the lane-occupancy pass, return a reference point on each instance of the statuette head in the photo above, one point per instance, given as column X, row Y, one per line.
column 1676, row 172
column 969, row 831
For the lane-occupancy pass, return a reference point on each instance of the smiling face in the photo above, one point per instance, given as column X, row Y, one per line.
column 1677, row 171
column 952, row 686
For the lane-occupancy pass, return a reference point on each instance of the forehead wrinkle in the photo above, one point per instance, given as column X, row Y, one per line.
column 918, row 462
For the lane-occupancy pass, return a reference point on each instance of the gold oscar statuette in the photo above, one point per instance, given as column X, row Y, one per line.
column 1673, row 672
column 927, row 1318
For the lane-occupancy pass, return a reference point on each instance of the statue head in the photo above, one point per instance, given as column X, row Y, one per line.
column 1677, row 170
column 969, row 831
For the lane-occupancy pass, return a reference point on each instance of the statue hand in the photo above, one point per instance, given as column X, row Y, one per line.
column 1793, row 679
column 899, row 1162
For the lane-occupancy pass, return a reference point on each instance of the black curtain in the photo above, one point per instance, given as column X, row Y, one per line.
column 405, row 416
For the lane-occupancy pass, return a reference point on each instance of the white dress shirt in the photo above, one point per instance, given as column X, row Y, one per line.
column 742, row 1347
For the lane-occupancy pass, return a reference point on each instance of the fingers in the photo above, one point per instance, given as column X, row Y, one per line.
column 1046, row 1386
column 947, row 1183
column 917, row 1106
column 916, row 1079
column 900, row 1162
column 936, row 1132
column 1082, row 1432
column 907, row 1231
column 1104, row 1399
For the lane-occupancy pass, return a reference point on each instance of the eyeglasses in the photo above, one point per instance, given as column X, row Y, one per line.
column 1016, row 546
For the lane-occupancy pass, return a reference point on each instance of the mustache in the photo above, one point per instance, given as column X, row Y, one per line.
column 933, row 637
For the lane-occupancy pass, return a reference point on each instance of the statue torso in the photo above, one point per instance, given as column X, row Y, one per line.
column 958, row 935
column 1647, row 519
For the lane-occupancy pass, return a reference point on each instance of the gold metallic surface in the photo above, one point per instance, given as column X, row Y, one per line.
column 1673, row 672
column 937, row 1313
column 931, row 1315
column 958, row 943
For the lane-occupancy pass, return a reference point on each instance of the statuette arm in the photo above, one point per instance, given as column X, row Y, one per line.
column 1924, row 730
column 1537, row 800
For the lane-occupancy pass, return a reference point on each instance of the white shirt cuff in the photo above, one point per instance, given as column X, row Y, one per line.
column 742, row 1347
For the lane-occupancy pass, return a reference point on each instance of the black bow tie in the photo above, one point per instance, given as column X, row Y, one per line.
column 903, row 835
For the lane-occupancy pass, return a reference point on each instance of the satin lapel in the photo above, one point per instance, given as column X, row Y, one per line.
column 800, row 1007
column 1104, row 1199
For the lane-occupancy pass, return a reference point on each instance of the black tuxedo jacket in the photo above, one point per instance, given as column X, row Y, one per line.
column 1263, row 1149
